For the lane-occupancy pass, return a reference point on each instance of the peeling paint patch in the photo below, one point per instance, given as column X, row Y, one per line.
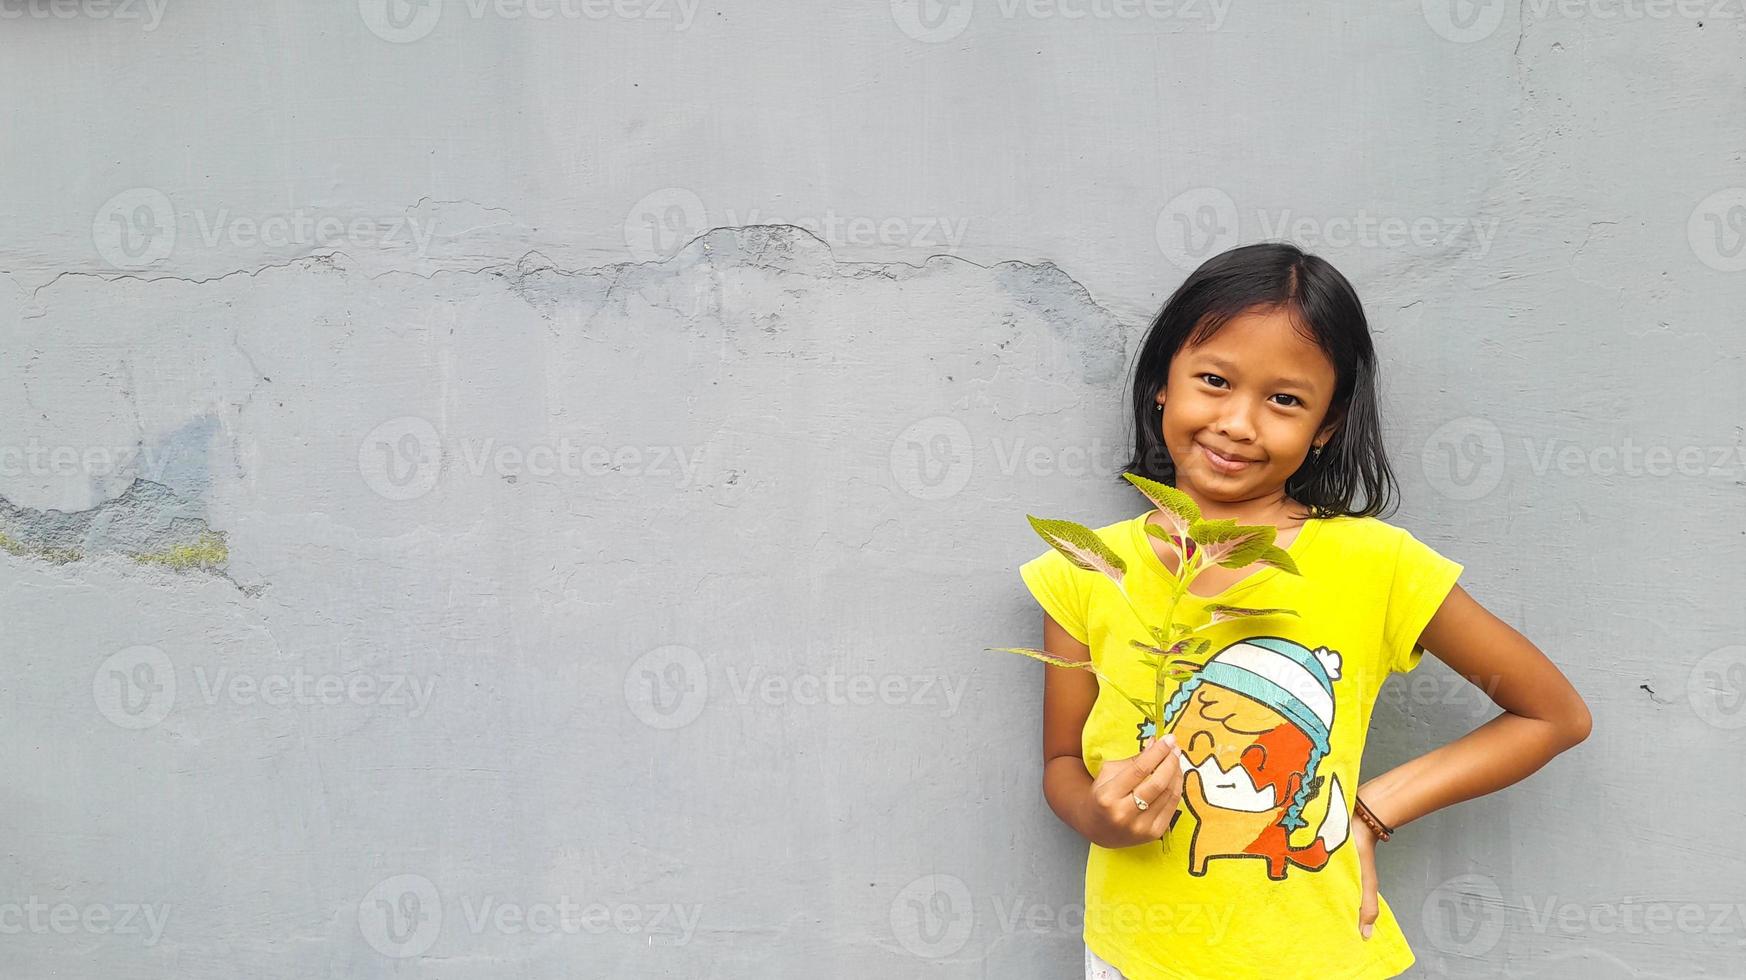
column 1063, row 303
column 149, row 523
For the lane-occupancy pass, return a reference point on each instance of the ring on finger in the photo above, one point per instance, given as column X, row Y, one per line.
column 1142, row 804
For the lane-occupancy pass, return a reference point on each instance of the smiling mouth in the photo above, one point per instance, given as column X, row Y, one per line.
column 1224, row 464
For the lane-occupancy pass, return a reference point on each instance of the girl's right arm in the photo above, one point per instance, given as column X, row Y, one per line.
column 1101, row 810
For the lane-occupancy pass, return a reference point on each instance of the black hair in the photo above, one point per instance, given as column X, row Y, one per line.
column 1325, row 308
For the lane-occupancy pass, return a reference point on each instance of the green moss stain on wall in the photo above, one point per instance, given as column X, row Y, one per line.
column 209, row 553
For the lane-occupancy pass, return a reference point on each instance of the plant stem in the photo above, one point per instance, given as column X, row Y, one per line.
column 1187, row 570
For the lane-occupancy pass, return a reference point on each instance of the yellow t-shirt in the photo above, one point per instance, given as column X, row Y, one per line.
column 1260, row 879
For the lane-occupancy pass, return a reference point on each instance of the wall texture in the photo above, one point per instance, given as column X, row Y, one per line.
column 522, row 488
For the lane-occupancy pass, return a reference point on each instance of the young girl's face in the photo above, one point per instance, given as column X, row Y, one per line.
column 1255, row 393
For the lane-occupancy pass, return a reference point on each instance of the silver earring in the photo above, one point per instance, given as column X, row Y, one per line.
column 1316, row 454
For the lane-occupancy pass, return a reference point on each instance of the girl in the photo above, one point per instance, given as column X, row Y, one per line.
column 1255, row 394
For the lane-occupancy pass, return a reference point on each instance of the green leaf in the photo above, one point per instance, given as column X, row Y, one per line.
column 1222, row 612
column 1231, row 545
column 1178, row 507
column 1151, row 656
column 1081, row 546
column 1043, row 655
column 1278, row 558
column 1049, row 658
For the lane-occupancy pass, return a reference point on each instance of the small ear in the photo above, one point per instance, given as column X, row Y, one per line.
column 1331, row 427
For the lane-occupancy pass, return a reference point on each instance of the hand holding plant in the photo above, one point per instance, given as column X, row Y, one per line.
column 1155, row 774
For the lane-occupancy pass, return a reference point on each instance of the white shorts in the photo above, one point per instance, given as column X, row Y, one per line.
column 1097, row 969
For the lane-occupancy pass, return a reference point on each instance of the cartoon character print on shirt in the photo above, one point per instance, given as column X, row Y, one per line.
column 1253, row 725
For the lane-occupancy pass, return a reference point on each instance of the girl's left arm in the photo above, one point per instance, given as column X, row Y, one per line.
column 1543, row 715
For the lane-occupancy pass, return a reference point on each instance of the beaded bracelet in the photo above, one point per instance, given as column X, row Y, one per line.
column 1382, row 831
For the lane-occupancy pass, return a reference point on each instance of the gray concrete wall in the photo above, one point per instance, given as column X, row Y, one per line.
column 523, row 489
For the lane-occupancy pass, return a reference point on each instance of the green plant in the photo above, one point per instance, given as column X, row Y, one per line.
column 1178, row 649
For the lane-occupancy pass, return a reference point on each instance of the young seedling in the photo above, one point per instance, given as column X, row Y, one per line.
column 1178, row 649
